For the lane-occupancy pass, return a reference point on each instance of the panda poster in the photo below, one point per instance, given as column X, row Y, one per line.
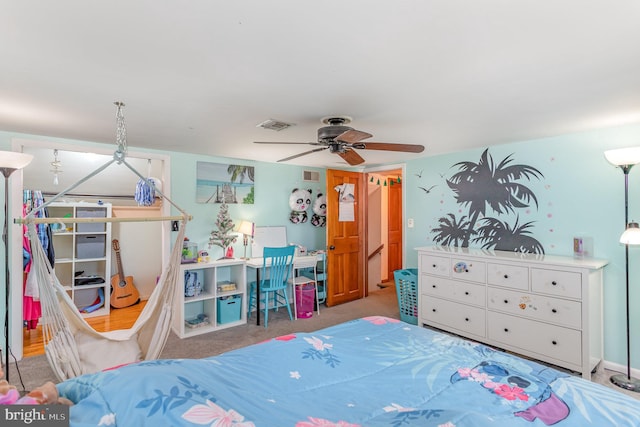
column 218, row 182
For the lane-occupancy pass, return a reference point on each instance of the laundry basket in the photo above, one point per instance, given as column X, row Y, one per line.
column 407, row 290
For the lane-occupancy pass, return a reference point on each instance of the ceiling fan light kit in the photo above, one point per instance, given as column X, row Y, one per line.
column 341, row 140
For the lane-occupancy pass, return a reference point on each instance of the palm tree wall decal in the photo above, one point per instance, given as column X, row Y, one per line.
column 482, row 186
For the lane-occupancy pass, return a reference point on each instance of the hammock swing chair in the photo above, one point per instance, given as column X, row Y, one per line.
column 72, row 346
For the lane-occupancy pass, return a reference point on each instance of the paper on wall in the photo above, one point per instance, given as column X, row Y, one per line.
column 346, row 205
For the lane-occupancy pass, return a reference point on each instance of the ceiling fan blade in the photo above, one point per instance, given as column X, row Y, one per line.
column 295, row 156
column 408, row 148
column 292, row 143
column 351, row 157
column 352, row 136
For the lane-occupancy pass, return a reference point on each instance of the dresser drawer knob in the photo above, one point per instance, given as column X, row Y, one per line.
column 466, row 319
column 554, row 342
column 553, row 310
column 554, row 283
column 466, row 292
column 434, row 265
column 433, row 286
column 506, row 329
column 506, row 276
column 506, row 301
column 433, row 309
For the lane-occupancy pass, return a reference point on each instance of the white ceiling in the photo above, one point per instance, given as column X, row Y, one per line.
column 199, row 75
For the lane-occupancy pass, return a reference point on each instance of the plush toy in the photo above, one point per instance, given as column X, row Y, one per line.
column 319, row 217
column 43, row 395
column 299, row 202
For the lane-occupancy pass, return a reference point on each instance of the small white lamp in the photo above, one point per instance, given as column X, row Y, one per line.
column 10, row 161
column 631, row 235
column 246, row 228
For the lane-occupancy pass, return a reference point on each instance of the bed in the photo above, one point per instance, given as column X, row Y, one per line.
column 373, row 371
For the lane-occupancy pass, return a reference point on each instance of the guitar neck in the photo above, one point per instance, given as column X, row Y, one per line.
column 119, row 262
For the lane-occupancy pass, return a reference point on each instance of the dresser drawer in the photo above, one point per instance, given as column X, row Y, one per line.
column 464, row 269
column 510, row 276
column 461, row 317
column 562, row 283
column 467, row 293
column 553, row 310
column 546, row 340
column 438, row 266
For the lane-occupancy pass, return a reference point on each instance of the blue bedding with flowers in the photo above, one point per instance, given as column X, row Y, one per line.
column 371, row 372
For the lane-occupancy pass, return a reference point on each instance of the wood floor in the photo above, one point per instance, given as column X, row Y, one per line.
column 121, row 318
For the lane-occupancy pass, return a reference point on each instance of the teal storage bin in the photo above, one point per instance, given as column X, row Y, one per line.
column 407, row 291
column 228, row 309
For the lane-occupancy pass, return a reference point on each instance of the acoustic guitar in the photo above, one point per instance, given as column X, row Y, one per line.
column 123, row 291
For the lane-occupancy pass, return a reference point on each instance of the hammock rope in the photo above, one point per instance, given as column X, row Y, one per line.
column 72, row 346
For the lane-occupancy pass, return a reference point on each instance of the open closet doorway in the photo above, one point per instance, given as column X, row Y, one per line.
column 385, row 218
column 143, row 246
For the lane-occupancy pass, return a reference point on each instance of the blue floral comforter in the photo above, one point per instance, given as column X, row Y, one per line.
column 370, row 372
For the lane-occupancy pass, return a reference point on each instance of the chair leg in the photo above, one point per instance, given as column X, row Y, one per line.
column 266, row 309
column 315, row 285
column 250, row 305
column 295, row 307
column 286, row 301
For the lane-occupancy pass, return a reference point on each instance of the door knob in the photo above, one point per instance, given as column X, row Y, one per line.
column 331, row 247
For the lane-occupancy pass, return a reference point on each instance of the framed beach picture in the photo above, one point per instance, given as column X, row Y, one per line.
column 218, row 182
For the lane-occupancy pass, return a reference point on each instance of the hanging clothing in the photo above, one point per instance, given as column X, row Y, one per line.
column 31, row 309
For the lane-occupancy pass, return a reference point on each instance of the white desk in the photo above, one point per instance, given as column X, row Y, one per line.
column 257, row 264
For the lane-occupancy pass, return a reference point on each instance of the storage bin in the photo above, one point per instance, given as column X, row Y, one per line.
column 228, row 309
column 305, row 300
column 407, row 291
column 89, row 227
column 90, row 246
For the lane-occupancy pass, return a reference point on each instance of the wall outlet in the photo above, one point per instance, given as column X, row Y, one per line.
column 410, row 223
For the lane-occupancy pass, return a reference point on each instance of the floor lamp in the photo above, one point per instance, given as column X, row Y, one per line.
column 10, row 162
column 625, row 159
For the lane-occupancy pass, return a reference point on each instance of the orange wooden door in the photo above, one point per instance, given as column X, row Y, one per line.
column 394, row 234
column 346, row 253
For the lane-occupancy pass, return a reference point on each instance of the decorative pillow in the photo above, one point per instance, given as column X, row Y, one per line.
column 97, row 354
column 319, row 217
column 299, row 202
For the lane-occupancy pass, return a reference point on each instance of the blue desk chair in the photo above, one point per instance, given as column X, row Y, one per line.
column 273, row 280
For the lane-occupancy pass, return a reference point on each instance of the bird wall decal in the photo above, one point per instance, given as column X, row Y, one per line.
column 428, row 190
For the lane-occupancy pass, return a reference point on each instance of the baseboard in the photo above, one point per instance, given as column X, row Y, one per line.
column 620, row 368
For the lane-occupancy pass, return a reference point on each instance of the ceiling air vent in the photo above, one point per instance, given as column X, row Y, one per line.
column 274, row 125
column 310, row 176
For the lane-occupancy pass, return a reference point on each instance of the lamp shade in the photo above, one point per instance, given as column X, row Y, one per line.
column 623, row 156
column 14, row 160
column 246, row 228
column 631, row 235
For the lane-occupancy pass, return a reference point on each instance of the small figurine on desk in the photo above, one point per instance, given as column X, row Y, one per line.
column 229, row 253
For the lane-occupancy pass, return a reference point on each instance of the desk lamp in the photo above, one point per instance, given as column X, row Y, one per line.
column 246, row 228
column 10, row 161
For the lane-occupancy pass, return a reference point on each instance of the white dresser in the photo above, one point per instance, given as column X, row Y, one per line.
column 544, row 307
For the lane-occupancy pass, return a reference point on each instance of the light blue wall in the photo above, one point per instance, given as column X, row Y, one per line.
column 581, row 194
column 274, row 183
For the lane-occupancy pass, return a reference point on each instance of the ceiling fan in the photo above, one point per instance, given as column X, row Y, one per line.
column 341, row 139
